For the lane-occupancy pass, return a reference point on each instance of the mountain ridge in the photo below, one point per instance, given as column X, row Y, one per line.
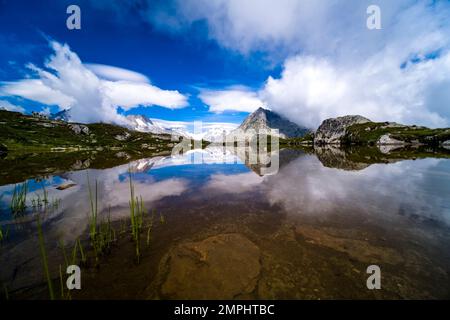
column 264, row 119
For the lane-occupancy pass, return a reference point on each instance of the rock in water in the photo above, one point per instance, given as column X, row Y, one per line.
column 224, row 266
column 332, row 130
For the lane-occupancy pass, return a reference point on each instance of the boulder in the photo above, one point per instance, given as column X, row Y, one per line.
column 332, row 130
column 386, row 139
column 223, row 266
column 79, row 128
column 122, row 137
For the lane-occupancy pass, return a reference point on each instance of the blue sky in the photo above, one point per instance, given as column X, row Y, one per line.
column 218, row 60
column 171, row 61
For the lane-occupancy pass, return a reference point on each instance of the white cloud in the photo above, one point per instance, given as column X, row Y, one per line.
column 67, row 83
column 129, row 94
column 36, row 90
column 311, row 90
column 116, row 74
column 235, row 98
column 6, row 105
column 333, row 64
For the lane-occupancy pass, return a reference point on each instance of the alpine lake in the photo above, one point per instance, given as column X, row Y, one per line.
column 208, row 225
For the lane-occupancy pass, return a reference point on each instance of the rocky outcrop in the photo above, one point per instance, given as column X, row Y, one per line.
column 386, row 139
column 79, row 128
column 263, row 119
column 331, row 131
column 122, row 137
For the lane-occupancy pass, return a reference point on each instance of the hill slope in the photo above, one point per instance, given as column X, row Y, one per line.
column 21, row 133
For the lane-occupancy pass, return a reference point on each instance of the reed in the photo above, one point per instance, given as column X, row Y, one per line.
column 3, row 235
column 74, row 254
column 19, row 198
column 83, row 256
column 94, row 208
column 136, row 216
column 5, row 290
column 149, row 230
column 44, row 194
column 61, row 282
column 44, row 259
column 63, row 248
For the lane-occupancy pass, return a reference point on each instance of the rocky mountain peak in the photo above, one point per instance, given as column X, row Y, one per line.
column 263, row 119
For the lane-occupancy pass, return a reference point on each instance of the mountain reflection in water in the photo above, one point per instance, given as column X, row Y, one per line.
column 308, row 231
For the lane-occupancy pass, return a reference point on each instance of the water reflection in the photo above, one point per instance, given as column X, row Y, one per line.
column 332, row 209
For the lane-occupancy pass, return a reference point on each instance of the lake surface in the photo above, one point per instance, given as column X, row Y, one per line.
column 221, row 229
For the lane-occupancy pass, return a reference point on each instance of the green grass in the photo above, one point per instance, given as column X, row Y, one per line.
column 369, row 133
column 19, row 199
column 22, row 132
column 136, row 217
column 4, row 234
column 101, row 232
column 44, row 259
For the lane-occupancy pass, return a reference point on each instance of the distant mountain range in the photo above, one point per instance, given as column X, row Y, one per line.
column 261, row 119
column 345, row 130
column 212, row 132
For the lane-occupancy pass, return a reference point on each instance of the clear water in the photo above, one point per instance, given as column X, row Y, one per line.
column 310, row 231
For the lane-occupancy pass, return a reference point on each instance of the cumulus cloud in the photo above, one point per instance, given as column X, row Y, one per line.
column 312, row 89
column 68, row 83
column 235, row 98
column 36, row 90
column 333, row 64
column 6, row 105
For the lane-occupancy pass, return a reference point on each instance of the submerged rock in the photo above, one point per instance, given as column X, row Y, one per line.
column 332, row 130
column 224, row 266
column 66, row 186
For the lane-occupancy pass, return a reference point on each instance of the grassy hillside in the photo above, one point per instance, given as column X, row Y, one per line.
column 21, row 133
column 369, row 133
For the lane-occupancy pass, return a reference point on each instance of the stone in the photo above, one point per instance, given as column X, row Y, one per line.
column 223, row 266
column 122, row 137
column 386, row 139
column 332, row 130
column 79, row 128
